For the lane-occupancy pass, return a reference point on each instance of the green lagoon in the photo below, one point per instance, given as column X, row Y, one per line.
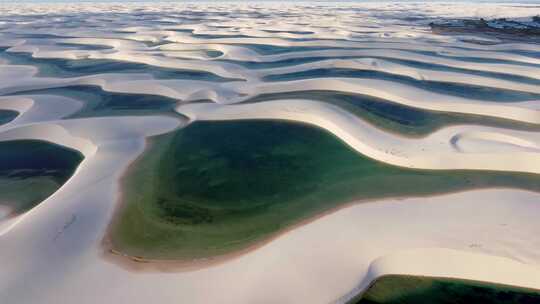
column 32, row 170
column 394, row 117
column 56, row 67
column 7, row 116
column 216, row 187
column 98, row 102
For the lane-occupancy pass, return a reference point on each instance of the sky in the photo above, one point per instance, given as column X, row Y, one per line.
column 534, row 2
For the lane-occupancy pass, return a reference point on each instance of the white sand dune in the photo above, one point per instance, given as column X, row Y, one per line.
column 450, row 263
column 234, row 92
column 106, row 143
column 407, row 95
column 38, row 108
column 436, row 151
column 489, row 141
column 54, row 253
column 417, row 73
column 447, row 263
column 334, row 253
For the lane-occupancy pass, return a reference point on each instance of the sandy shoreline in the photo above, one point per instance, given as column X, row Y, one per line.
column 438, row 150
column 6, row 212
column 141, row 264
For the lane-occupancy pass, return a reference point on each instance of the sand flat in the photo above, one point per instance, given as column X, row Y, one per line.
column 54, row 253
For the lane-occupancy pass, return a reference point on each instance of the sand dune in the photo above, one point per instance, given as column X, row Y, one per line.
column 436, row 151
column 224, row 55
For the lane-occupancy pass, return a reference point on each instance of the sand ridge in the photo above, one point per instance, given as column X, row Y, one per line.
column 50, row 253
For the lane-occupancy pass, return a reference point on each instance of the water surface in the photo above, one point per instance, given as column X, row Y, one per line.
column 31, row 170
column 216, row 187
column 401, row 289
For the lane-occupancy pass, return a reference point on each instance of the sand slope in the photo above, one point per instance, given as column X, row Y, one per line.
column 223, row 54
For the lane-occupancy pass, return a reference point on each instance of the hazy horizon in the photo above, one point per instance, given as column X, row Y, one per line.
column 296, row 1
